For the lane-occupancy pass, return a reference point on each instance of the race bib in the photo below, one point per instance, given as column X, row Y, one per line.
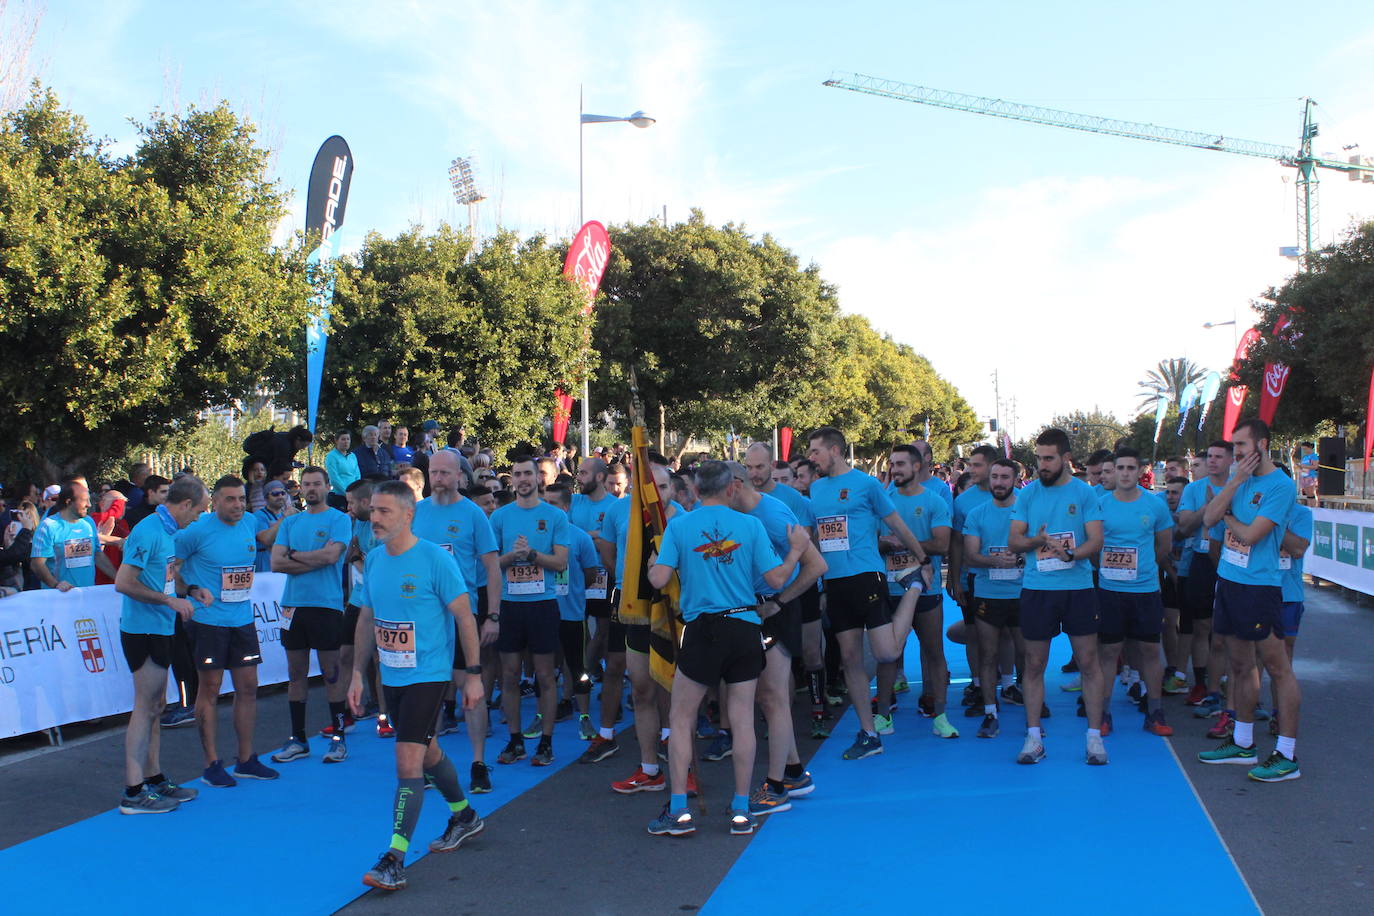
column 1045, row 561
column 524, row 579
column 1234, row 552
column 899, row 563
column 1203, row 545
column 834, row 532
column 76, row 554
column 1285, row 560
column 395, row 643
column 235, row 583
column 560, row 584
column 169, row 585
column 355, row 576
column 596, row 591
column 288, row 614
column 1003, row 575
column 1120, row 564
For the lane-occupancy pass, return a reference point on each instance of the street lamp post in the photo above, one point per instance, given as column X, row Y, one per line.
column 638, row 119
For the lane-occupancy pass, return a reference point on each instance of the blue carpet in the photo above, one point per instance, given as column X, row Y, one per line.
column 298, row 844
column 946, row 826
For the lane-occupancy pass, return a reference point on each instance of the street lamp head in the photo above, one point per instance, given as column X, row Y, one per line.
column 641, row 119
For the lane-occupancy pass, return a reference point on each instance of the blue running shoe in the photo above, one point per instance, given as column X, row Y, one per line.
column 216, row 777
column 720, row 748
column 252, row 769
column 863, row 746
column 673, row 823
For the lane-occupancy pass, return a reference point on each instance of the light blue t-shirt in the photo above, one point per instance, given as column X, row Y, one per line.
column 991, row 524
column 719, row 554
column 923, row 513
column 965, row 503
column 1194, row 499
column 409, row 596
column 264, row 518
column 1271, row 496
column 148, row 548
column 800, row 505
column 616, row 529
column 570, row 585
column 1063, row 510
column 69, row 547
column 220, row 558
column 342, row 469
column 590, row 514
column 461, row 528
column 323, row 586
column 940, row 488
column 367, row 542
column 1300, row 523
column 544, row 528
column 1128, row 547
column 776, row 516
column 848, row 509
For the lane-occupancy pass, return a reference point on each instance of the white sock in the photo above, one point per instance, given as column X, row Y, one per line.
column 1286, row 746
column 1245, row 734
column 663, row 733
column 990, row 709
column 1033, row 732
column 650, row 769
column 607, row 733
column 1094, row 733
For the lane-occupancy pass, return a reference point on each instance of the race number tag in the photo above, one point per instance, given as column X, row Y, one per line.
column 235, row 583
column 560, row 583
column 1045, row 561
column 1120, row 564
column 596, row 591
column 899, row 563
column 1004, row 575
column 395, row 643
column 524, row 579
column 1203, row 545
column 834, row 532
column 1234, row 552
column 288, row 615
column 355, row 577
column 169, row 585
column 1285, row 559
column 76, row 554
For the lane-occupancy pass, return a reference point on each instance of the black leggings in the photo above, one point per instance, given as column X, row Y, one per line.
column 183, row 667
column 572, row 638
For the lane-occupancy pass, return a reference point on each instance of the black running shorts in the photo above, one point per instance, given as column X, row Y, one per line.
column 531, row 625
column 1044, row 613
column 1130, row 615
column 318, row 628
column 785, row 629
column 218, row 648
column 857, row 602
column 718, row 648
column 1250, row 612
column 414, row 710
column 997, row 612
column 146, row 647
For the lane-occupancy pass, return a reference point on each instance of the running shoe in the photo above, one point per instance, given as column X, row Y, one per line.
column 543, row 754
column 1261, row 714
column 1209, row 707
column 941, row 728
column 513, row 751
column 974, row 711
column 673, row 823
column 641, row 782
column 147, row 802
column 900, row 685
column 599, row 750
column 764, row 800
column 1106, row 724
column 291, row 750
column 1196, row 695
column 1224, row 727
column 693, row 790
column 798, row 786
column 253, row 769
column 820, row 728
column 1127, row 675
column 720, row 748
column 1175, row 685
column 1073, row 686
column 586, row 731
column 835, row 694
column 349, row 724
column 384, row 727
column 1044, row 710
column 973, row 696
column 1136, row 691
column 216, row 777
column 536, row 727
column 1155, row 725
column 883, row 724
column 704, row 727
column 1276, row 768
column 564, row 711
column 1012, row 694
column 1082, row 709
column 178, row 716
column 1096, row 754
column 1274, row 726
column 989, row 728
column 742, row 823
column 1071, row 667
column 388, row 874
column 169, row 789
column 527, row 689
column 1032, row 751
column 480, row 776
column 370, row 710
column 926, row 707
column 462, row 825
column 338, row 751
column 1229, row 752
column 864, row 746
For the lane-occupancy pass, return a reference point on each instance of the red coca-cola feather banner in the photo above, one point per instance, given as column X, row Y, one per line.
column 1235, row 395
column 585, row 265
column 1275, row 377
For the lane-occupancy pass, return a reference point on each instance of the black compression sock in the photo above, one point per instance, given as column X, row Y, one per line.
column 451, row 708
column 297, row 708
column 777, row 786
column 336, row 717
column 157, row 780
column 133, row 791
column 816, row 683
column 793, row 771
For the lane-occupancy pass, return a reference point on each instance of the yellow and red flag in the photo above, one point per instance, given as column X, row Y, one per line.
column 640, row 602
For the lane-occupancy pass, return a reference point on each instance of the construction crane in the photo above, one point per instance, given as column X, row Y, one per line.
column 1358, row 168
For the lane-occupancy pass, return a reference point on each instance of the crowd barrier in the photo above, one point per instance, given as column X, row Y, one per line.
column 1342, row 548
column 61, row 661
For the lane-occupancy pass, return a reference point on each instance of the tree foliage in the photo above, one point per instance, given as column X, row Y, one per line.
column 1330, row 348
column 1167, row 380
column 137, row 290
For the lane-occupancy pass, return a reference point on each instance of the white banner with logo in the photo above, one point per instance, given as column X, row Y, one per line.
column 61, row 660
column 1342, row 548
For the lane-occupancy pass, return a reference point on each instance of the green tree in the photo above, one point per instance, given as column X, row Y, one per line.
column 424, row 326
column 1089, row 430
column 1167, row 380
column 138, row 291
column 1329, row 349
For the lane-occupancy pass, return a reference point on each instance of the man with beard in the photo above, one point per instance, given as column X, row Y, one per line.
column 68, row 539
column 960, row 578
column 590, row 506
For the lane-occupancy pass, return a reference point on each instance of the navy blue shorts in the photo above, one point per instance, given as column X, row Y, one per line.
column 1249, row 612
column 529, row 625
column 1044, row 614
column 1199, row 595
column 1129, row 615
column 1291, row 617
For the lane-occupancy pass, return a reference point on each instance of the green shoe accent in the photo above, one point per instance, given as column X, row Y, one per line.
column 941, row 728
column 536, row 729
column 1277, row 768
column 1229, row 752
column 883, row 724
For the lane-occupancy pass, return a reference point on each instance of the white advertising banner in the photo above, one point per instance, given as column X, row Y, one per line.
column 61, row 661
column 1342, row 548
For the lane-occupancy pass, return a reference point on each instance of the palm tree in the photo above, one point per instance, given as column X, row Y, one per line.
column 1167, row 380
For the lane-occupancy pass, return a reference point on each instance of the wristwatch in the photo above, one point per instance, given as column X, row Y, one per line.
column 493, row 618
column 473, row 669
column 925, row 561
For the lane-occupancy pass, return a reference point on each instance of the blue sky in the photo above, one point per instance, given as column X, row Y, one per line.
column 1070, row 263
